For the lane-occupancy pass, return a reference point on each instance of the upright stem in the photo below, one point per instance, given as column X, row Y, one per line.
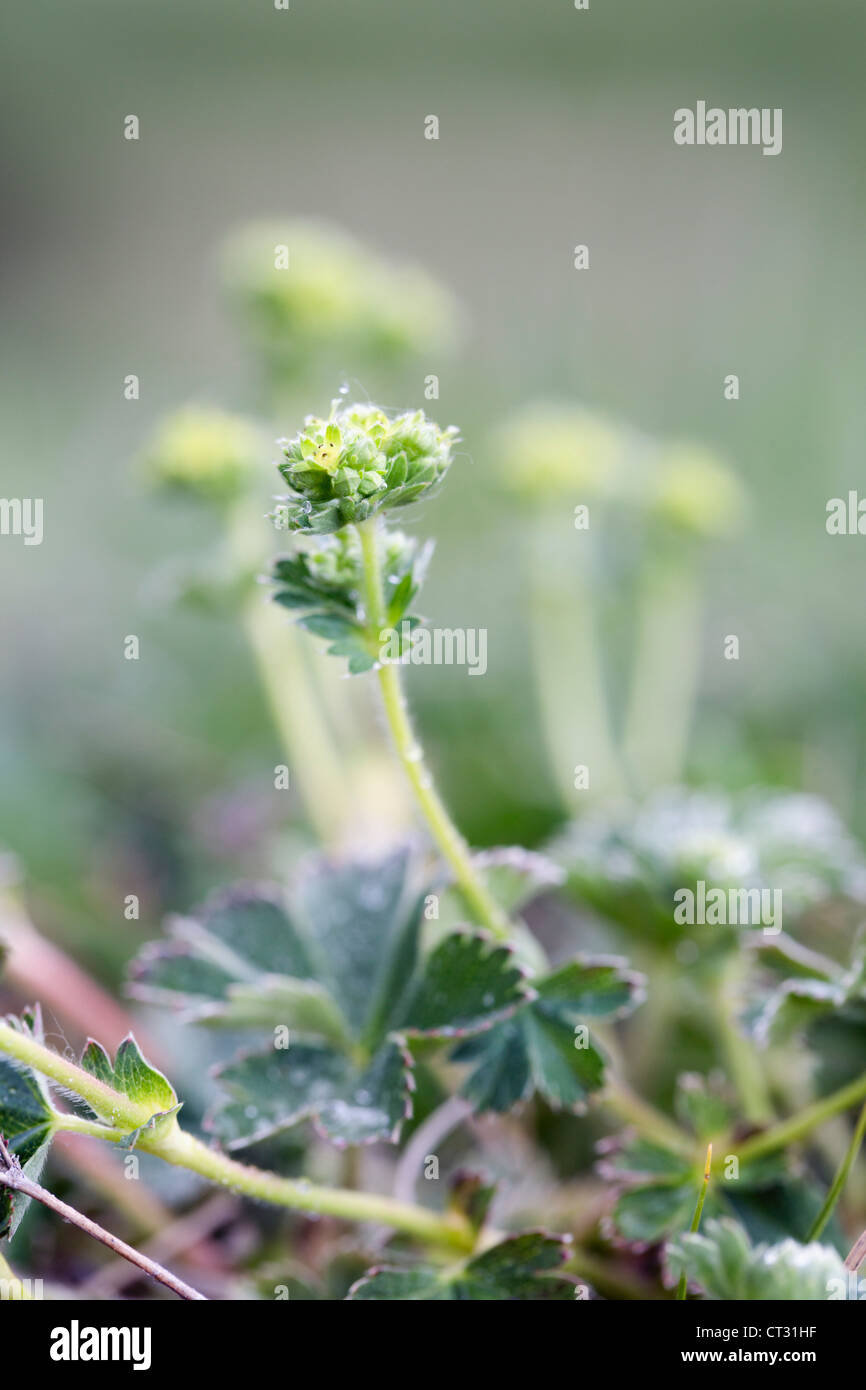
column 569, row 675
column 746, row 1071
column 664, row 673
column 683, row 1286
column 291, row 693
column 840, row 1179
column 446, row 835
column 291, row 696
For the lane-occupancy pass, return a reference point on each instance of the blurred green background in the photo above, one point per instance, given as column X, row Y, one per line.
column 155, row 776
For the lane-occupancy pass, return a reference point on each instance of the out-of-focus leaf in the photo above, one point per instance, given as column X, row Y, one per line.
column 725, row 1265
column 628, row 864
column 243, row 936
column 272, row 1091
column 657, row 1187
column 337, row 966
column 520, row 1268
column 798, row 1004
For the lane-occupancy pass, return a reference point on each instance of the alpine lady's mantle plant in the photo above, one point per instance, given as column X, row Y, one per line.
column 345, row 474
column 358, row 992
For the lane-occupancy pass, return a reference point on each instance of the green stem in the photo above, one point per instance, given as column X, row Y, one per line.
column 664, row 675
column 569, row 675
column 295, row 710
column 290, row 689
column 174, row 1145
column 799, row 1125
column 840, row 1179
column 744, row 1064
column 446, row 835
column 121, row 1113
column 683, row 1286
column 185, row 1151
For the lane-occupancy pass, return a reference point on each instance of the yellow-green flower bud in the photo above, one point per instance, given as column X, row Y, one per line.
column 695, row 492
column 205, row 452
column 547, row 452
column 308, row 292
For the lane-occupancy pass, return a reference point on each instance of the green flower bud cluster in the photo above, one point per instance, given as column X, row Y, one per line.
column 206, row 453
column 359, row 462
column 548, row 453
column 696, row 493
column 323, row 581
column 330, row 301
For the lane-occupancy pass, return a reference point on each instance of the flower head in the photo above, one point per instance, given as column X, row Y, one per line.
column 205, row 452
column 331, row 300
column 697, row 493
column 359, row 462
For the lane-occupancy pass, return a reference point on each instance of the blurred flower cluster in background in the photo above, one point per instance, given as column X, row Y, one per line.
column 436, row 275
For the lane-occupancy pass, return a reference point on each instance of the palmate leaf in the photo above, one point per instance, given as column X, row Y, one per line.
column 815, row 996
column 338, row 964
column 817, row 989
column 628, row 864
column 542, row 1048
column 465, row 984
column 725, row 1265
column 27, row 1121
column 272, row 1091
column 323, row 583
column 520, row 1268
column 242, row 938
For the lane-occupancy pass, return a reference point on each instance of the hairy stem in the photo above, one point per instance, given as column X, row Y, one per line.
column 172, row 1144
column 186, row 1151
column 840, row 1179
column 446, row 835
column 118, row 1110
